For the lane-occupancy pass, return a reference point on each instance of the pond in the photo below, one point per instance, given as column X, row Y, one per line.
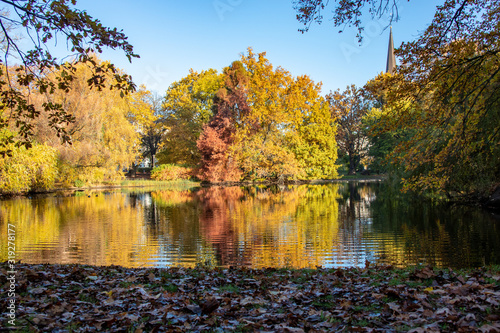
column 329, row 225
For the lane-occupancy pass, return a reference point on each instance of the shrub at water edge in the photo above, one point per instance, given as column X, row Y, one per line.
column 171, row 172
column 27, row 170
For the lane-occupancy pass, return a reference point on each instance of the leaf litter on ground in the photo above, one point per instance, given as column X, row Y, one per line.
column 79, row 298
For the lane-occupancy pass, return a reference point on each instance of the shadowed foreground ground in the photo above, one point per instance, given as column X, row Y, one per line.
column 75, row 298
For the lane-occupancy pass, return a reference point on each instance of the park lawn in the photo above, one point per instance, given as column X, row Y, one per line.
column 78, row 298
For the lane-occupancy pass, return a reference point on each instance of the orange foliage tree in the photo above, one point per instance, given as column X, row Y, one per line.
column 268, row 124
column 230, row 106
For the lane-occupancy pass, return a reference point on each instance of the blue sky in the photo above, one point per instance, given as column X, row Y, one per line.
column 172, row 36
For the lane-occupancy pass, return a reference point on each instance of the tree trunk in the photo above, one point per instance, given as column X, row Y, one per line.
column 352, row 164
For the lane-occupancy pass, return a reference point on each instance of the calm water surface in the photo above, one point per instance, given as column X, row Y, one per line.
column 333, row 225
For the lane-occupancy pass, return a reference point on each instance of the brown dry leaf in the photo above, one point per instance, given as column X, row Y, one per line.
column 132, row 317
column 246, row 301
column 41, row 319
column 394, row 307
column 417, row 330
column 490, row 328
column 391, row 292
column 209, row 306
column 492, row 301
column 424, row 273
column 194, row 308
column 493, row 317
column 131, row 279
column 68, row 316
column 144, row 293
column 37, row 291
column 428, row 313
column 378, row 296
column 443, row 312
column 346, row 304
column 323, row 301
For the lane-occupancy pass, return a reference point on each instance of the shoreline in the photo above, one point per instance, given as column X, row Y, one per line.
column 174, row 183
column 81, row 298
column 375, row 178
column 490, row 203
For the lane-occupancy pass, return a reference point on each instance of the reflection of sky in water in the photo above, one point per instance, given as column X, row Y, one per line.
column 289, row 226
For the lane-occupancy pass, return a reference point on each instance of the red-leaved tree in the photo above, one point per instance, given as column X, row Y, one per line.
column 230, row 107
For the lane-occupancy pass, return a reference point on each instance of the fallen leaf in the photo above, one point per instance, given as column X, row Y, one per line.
column 132, row 317
column 394, row 307
column 246, row 301
column 443, row 312
column 37, row 291
column 492, row 301
column 209, row 306
column 490, row 328
column 194, row 309
column 424, row 273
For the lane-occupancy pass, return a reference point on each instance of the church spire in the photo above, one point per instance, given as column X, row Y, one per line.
column 391, row 58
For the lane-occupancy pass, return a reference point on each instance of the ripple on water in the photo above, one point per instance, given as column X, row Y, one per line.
column 334, row 225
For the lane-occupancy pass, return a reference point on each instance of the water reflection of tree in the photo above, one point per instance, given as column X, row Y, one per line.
column 442, row 235
column 94, row 228
column 296, row 226
column 277, row 226
column 173, row 223
column 216, row 224
column 270, row 226
column 354, row 222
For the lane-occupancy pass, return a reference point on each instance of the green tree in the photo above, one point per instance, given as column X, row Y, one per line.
column 43, row 21
column 348, row 108
column 450, row 79
column 383, row 135
column 186, row 108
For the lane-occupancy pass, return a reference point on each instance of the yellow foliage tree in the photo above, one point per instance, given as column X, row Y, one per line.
column 104, row 139
column 26, row 170
column 289, row 132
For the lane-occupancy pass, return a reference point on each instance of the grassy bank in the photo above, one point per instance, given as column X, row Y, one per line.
column 172, row 184
column 177, row 184
column 73, row 298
